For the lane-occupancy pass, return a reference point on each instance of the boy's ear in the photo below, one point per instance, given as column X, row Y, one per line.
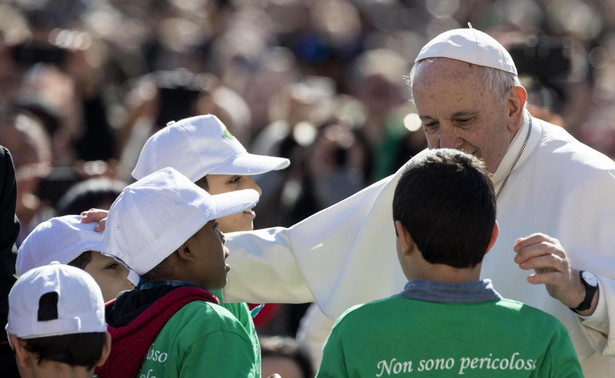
column 494, row 236
column 185, row 253
column 405, row 239
column 105, row 351
column 23, row 358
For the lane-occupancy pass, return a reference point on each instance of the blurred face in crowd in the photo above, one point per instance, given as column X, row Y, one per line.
column 27, row 140
column 227, row 183
column 457, row 111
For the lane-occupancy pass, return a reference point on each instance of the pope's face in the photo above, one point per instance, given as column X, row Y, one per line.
column 458, row 112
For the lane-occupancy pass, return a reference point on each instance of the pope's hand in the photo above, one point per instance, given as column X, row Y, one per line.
column 546, row 256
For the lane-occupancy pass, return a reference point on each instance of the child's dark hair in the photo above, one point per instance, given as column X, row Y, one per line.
column 82, row 260
column 159, row 272
column 446, row 201
column 87, row 194
column 203, row 183
column 78, row 349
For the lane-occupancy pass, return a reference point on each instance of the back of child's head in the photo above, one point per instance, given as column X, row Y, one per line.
column 59, row 311
column 63, row 239
column 154, row 216
column 98, row 192
column 445, row 199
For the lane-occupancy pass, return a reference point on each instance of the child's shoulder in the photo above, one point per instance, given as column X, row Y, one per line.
column 516, row 308
column 207, row 316
column 368, row 310
column 205, row 309
column 393, row 306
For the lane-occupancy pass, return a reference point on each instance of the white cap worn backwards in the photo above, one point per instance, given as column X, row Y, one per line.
column 55, row 300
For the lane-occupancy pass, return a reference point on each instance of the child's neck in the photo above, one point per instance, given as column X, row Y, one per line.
column 54, row 369
column 446, row 273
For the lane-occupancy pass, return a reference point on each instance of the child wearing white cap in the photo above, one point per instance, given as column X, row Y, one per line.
column 204, row 150
column 164, row 228
column 56, row 323
column 69, row 241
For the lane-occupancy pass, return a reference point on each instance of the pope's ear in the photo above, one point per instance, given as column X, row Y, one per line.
column 516, row 103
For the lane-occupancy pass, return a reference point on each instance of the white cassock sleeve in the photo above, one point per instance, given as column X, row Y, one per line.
column 342, row 255
column 586, row 229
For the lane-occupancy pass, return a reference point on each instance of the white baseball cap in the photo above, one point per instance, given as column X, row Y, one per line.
column 469, row 45
column 154, row 216
column 78, row 304
column 61, row 239
column 198, row 146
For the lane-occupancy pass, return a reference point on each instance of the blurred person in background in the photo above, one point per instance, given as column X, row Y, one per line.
column 154, row 100
column 294, row 112
column 284, row 356
column 332, row 166
column 9, row 226
column 61, row 78
column 30, row 145
column 96, row 192
column 375, row 81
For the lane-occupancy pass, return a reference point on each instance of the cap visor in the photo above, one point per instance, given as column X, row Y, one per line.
column 251, row 164
column 233, row 202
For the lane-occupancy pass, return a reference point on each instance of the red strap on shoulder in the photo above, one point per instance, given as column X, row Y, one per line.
column 131, row 342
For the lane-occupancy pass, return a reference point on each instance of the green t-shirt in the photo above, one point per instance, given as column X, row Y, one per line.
column 402, row 337
column 243, row 314
column 201, row 340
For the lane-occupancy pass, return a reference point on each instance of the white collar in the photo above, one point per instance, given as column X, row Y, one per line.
column 515, row 146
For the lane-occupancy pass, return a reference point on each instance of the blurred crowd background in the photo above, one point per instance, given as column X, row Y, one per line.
column 84, row 83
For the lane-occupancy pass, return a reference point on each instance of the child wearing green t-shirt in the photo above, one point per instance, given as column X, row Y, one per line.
column 202, row 149
column 165, row 228
column 447, row 321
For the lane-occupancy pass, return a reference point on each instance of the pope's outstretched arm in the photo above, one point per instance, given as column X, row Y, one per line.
column 340, row 256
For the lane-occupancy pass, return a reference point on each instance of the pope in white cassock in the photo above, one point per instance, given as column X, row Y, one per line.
column 556, row 209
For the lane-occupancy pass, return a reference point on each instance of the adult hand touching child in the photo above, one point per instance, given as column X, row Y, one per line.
column 95, row 215
column 552, row 267
column 538, row 251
